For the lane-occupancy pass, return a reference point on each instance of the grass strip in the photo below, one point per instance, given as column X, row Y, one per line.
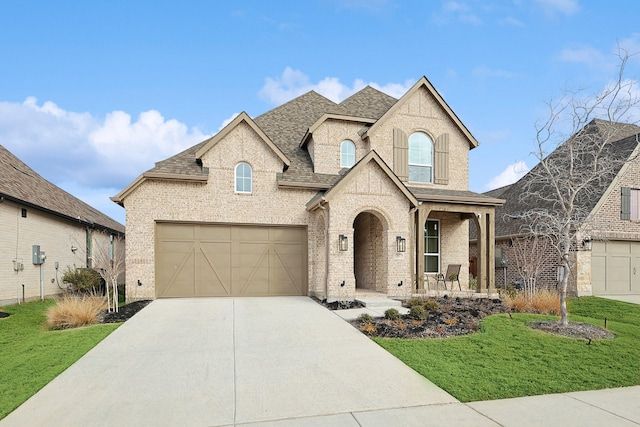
column 508, row 359
column 32, row 355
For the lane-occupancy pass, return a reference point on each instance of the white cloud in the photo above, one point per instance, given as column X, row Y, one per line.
column 457, row 11
column 293, row 83
column 484, row 71
column 585, row 55
column 511, row 174
column 94, row 153
column 554, row 7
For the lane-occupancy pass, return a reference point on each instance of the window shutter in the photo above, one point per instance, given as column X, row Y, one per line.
column 400, row 154
column 625, row 203
column 441, row 167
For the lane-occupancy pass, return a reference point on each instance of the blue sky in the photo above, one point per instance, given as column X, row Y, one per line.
column 92, row 93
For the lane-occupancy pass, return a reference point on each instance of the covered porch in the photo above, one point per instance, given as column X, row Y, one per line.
column 441, row 236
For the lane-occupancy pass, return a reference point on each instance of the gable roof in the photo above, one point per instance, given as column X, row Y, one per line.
column 622, row 146
column 425, row 83
column 241, row 118
column 21, row 184
column 371, row 157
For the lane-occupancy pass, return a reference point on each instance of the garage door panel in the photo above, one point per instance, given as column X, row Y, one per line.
column 614, row 267
column 223, row 259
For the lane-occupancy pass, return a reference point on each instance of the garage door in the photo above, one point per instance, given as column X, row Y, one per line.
column 230, row 260
column 615, row 268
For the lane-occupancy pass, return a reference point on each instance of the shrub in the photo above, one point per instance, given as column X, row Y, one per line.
column 392, row 314
column 431, row 305
column 413, row 302
column 72, row 311
column 84, row 280
column 369, row 328
column 365, row 318
column 417, row 312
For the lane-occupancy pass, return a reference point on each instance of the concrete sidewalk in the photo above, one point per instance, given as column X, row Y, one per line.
column 275, row 362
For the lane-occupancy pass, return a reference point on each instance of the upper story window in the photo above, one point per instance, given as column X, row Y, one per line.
column 420, row 158
column 347, row 154
column 244, row 178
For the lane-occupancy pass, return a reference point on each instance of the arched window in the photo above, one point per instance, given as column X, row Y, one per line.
column 347, row 154
column 244, row 178
column 420, row 158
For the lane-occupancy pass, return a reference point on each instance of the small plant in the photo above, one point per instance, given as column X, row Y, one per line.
column 473, row 283
column 451, row 321
column 365, row 318
column 369, row 328
column 399, row 324
column 431, row 305
column 417, row 312
column 73, row 311
column 415, row 302
column 392, row 314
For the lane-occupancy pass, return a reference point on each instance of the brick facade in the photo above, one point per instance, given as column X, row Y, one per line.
column 368, row 205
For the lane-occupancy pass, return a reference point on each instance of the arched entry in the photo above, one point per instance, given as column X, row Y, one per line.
column 369, row 258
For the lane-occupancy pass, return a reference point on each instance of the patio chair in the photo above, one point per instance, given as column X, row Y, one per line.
column 453, row 273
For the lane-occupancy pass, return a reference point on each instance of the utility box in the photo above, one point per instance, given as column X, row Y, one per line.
column 38, row 255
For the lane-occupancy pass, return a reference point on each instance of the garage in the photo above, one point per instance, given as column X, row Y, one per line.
column 211, row 260
column 615, row 267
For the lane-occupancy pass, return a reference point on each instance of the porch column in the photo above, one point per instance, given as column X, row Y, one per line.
column 482, row 251
column 491, row 246
column 422, row 218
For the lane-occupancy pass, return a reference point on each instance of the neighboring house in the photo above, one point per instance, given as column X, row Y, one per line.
column 34, row 214
column 312, row 198
column 606, row 258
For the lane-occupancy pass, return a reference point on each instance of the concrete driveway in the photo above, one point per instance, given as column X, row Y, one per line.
column 231, row 361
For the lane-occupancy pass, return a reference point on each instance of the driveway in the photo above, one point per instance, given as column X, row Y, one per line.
column 231, row 361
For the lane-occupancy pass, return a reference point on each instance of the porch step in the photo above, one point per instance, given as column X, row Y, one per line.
column 378, row 302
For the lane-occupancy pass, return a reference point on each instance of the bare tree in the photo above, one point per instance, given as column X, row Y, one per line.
column 579, row 150
column 109, row 261
column 531, row 256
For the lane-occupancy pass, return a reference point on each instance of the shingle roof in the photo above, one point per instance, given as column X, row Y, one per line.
column 22, row 184
column 623, row 143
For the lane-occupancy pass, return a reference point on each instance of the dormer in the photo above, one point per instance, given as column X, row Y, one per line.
column 334, row 142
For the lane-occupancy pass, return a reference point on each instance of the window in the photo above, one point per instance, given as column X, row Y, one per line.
column 432, row 247
column 244, row 178
column 420, row 158
column 630, row 204
column 347, row 154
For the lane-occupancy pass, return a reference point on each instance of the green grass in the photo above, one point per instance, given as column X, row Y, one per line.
column 32, row 356
column 507, row 359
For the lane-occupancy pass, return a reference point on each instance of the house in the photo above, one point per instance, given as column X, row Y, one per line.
column 312, row 198
column 43, row 231
column 606, row 253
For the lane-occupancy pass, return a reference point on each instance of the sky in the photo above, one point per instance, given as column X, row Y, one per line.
column 93, row 93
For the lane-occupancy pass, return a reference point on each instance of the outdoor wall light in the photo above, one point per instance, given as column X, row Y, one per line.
column 343, row 242
column 401, row 244
column 73, row 249
column 586, row 243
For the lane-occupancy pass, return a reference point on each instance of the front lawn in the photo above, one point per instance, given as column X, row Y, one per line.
column 32, row 356
column 508, row 359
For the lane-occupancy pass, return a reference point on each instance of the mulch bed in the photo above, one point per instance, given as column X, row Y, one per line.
column 124, row 313
column 462, row 316
column 3, row 314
